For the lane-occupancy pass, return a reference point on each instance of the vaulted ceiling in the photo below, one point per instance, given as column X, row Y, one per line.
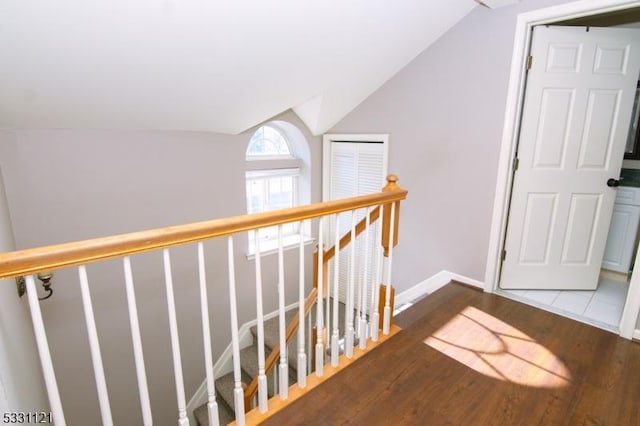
column 206, row 65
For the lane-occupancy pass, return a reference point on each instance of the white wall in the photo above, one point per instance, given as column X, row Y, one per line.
column 66, row 185
column 444, row 113
column 21, row 384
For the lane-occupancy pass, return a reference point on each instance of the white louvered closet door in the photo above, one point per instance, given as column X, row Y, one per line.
column 354, row 165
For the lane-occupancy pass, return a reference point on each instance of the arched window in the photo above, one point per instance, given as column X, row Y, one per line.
column 273, row 179
column 268, row 143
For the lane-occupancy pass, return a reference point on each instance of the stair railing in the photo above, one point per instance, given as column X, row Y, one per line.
column 271, row 361
column 292, row 327
column 370, row 218
column 363, row 225
column 78, row 254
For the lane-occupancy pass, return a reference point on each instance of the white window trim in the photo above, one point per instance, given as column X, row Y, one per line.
column 265, row 173
column 266, row 157
column 260, row 167
column 251, row 175
column 272, row 164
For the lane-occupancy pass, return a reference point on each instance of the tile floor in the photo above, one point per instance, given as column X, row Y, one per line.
column 602, row 307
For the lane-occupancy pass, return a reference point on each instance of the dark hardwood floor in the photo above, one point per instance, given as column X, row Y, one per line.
column 469, row 358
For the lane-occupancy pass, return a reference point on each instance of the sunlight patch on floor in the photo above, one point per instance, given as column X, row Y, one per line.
column 498, row 350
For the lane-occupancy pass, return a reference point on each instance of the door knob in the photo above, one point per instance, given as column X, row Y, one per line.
column 613, row 183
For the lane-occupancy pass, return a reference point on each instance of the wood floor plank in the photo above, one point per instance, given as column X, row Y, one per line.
column 469, row 358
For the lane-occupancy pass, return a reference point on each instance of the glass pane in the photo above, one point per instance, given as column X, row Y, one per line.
column 287, row 184
column 267, row 141
column 279, row 196
column 272, row 193
column 269, row 233
column 255, row 195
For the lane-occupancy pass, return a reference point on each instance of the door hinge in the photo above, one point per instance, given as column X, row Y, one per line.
column 516, row 163
column 529, row 63
column 504, row 255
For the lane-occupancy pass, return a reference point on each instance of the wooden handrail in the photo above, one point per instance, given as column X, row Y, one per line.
column 373, row 216
column 344, row 241
column 23, row 262
column 273, row 357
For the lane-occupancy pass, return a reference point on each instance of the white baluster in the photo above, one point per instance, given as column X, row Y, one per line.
column 183, row 420
column 284, row 365
column 319, row 322
column 376, row 279
column 141, row 374
column 302, row 356
column 238, row 393
column 327, row 318
column 212, row 405
column 386, row 324
column 94, row 346
column 363, row 287
column 349, row 333
column 358, row 285
column 335, row 335
column 310, row 343
column 262, row 378
column 45, row 355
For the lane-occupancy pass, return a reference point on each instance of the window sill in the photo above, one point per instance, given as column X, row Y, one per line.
column 271, row 247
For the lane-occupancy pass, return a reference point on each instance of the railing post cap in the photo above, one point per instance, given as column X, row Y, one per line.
column 391, row 184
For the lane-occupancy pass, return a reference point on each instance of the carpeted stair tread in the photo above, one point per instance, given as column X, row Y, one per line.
column 249, row 363
column 272, row 329
column 292, row 352
column 224, row 389
column 225, row 415
column 249, row 360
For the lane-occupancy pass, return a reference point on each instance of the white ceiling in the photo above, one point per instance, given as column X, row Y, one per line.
column 207, row 65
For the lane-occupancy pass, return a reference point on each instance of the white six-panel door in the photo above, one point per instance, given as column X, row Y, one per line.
column 578, row 101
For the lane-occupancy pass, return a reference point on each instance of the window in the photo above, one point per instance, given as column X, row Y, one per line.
column 267, row 143
column 269, row 190
column 272, row 183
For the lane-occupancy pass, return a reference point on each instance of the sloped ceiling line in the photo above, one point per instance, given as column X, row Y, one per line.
column 219, row 66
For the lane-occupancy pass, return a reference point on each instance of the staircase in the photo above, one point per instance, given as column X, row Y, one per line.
column 383, row 205
column 249, row 364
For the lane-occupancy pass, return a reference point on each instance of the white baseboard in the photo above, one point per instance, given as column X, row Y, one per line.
column 636, row 334
column 432, row 284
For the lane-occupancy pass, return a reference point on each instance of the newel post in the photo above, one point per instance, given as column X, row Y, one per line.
column 391, row 186
column 390, row 224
